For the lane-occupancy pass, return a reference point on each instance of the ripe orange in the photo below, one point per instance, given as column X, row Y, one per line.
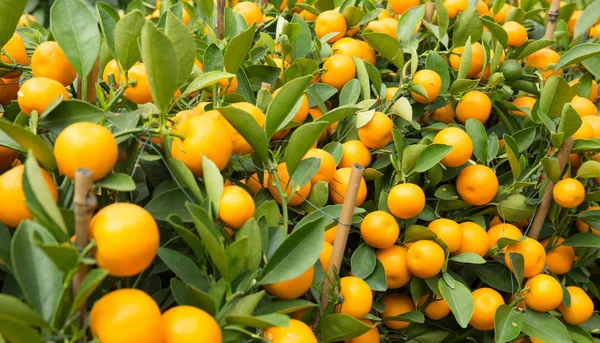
column 187, row 324
column 315, row 113
column 235, row 207
column 534, row 256
column 339, row 70
column 560, row 258
column 474, row 104
column 112, row 67
column 377, row 133
column 523, row 102
column 542, row 59
column 330, row 234
column 462, row 146
column 347, row 46
column 140, row 93
column 583, row 227
column 286, row 185
column 517, row 33
column 568, row 193
column 356, row 297
column 307, row 16
column 203, row 136
column 401, row 6
column 368, row 52
column 330, row 22
column 371, row 336
column 384, row 14
column 455, row 6
column 26, row 19
column 585, row 131
column 302, row 113
column 436, row 309
column 294, row 288
column 503, row 230
column 594, row 88
column 487, row 302
column 385, row 25
column 501, row 15
column 339, row 186
column 390, row 92
column 474, row 239
column 125, row 316
column 297, row 332
column 444, row 114
column 327, row 167
column 448, row 231
column 395, row 305
column 228, row 86
column 86, row 145
column 325, row 255
column 482, row 8
column 581, row 309
column 425, row 259
column 249, row 11
column 477, row 184
column 594, row 122
column 545, row 293
column 13, row 208
column 594, row 31
column 239, row 145
column 395, row 263
column 431, row 81
column 573, row 21
column 584, row 107
column 355, row 152
column 406, row 200
column 477, row 59
column 48, row 60
column 379, row 230
column 37, row 93
column 127, row 237
column 15, row 48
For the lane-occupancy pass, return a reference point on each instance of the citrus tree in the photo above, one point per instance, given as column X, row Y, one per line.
column 188, row 171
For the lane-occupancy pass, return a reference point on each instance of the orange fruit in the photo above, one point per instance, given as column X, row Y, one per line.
column 377, row 133
column 249, row 11
column 431, row 81
column 534, row 256
column 127, row 238
column 140, row 93
column 48, row 60
column 315, row 113
column 583, row 107
column 296, row 332
column 355, row 152
column 573, row 21
column 9, row 88
column 127, row 315
column 13, row 208
column 384, row 14
column 368, row 52
column 357, row 297
column 583, row 227
column 390, row 92
column 436, row 309
column 286, row 184
column 542, row 59
column 448, row 231
column 401, row 6
column 425, row 259
column 517, row 33
column 594, row 31
column 26, row 19
column 113, row 68
column 501, row 15
column 379, row 230
column 228, row 86
column 585, row 131
column 339, row 186
column 307, row 16
column 347, row 46
column 523, row 102
column 203, row 136
column 474, row 239
column 236, row 206
column 487, row 302
column 339, row 70
column 325, row 255
column 7, row 157
column 293, row 288
column 462, row 146
column 503, row 230
column 37, row 93
column 86, row 145
column 406, row 200
column 395, row 263
column 545, row 293
column 329, row 22
column 302, row 113
column 444, row 114
column 254, row 184
column 395, row 305
column 477, row 59
column 455, row 6
column 560, row 258
column 371, row 336
column 474, row 104
column 594, row 123
column 482, row 8
column 581, row 309
column 188, row 324
column 326, row 168
column 15, row 48
column 477, row 184
column 330, row 234
column 385, row 25
column 568, row 193
column 239, row 144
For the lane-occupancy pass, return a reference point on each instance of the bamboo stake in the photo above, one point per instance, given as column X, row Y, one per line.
column 542, row 212
column 552, row 19
column 91, row 84
column 429, row 9
column 341, row 237
column 85, row 203
column 220, row 19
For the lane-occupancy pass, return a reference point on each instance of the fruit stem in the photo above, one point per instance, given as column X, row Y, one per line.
column 283, row 197
column 15, row 66
column 33, row 122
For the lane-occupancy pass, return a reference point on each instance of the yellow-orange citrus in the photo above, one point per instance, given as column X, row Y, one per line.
column 377, row 133
column 357, row 297
column 474, row 104
column 560, row 258
column 48, row 60
column 448, row 231
column 406, row 200
column 462, row 146
column 395, row 263
column 545, row 293
column 436, row 309
column 474, row 240
column 294, row 288
column 339, row 186
column 236, row 206
column 140, row 93
column 395, row 305
column 250, row 12
column 425, row 259
column 379, row 230
column 581, row 309
column 568, row 193
column 534, row 256
column 487, row 302
column 503, row 230
column 339, row 70
column 517, row 33
column 37, row 93
column 355, row 151
column 477, row 184
column 296, row 332
column 477, row 59
column 431, row 82
column 329, row 22
column 188, row 324
column 326, row 168
column 14, row 50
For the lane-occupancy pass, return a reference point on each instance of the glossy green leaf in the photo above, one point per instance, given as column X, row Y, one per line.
column 338, row 327
column 213, row 182
column 545, row 327
column 583, row 240
column 508, row 323
column 237, row 49
column 184, row 45
column 408, row 22
column 209, row 237
column 183, row 268
column 202, row 299
column 300, row 142
column 17, row 332
column 460, row 301
column 468, row 257
column 69, row 112
column 476, row 131
column 430, row 156
column 577, row 54
column 65, row 257
column 280, row 111
column 117, row 182
column 205, row 80
column 285, row 306
column 260, row 322
column 468, row 24
column 30, row 142
column 10, row 12
column 108, row 18
column 363, row 261
column 387, row 46
column 184, row 176
column 588, row 18
column 89, row 285
column 15, row 308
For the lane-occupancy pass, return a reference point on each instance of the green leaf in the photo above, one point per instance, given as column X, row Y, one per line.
column 529, row 48
column 551, row 168
column 209, row 237
column 588, row 18
column 468, row 257
column 69, row 112
column 298, row 252
column 554, row 96
column 213, row 182
column 517, row 263
column 183, row 268
column 251, row 231
column 431, row 156
column 158, row 52
column 377, row 280
column 569, row 121
column 15, row 308
column 304, row 173
column 338, row 327
column 460, row 301
column 108, row 20
column 497, row 276
column 465, row 60
column 117, row 182
column 300, row 142
column 589, row 169
column 363, row 77
column 260, row 322
column 89, row 285
column 205, row 80
column 30, row 142
column 75, row 29
column 280, row 111
column 184, row 176
column 579, row 335
column 403, row 109
column 545, row 327
column 577, row 54
column 339, row 113
column 387, row 46
column 436, row 63
column 496, row 30
column 168, row 203
column 301, row 42
column 17, row 332
column 237, row 49
column 363, row 261
column 468, row 24
column 10, row 12
column 418, row 232
column 476, row 131
column 213, row 59
column 513, row 156
column 285, row 306
column 188, row 237
column 583, row 240
column 408, row 22
column 65, row 257
column 443, row 19
column 413, row 317
column 201, row 299
column 508, row 323
column 184, row 46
